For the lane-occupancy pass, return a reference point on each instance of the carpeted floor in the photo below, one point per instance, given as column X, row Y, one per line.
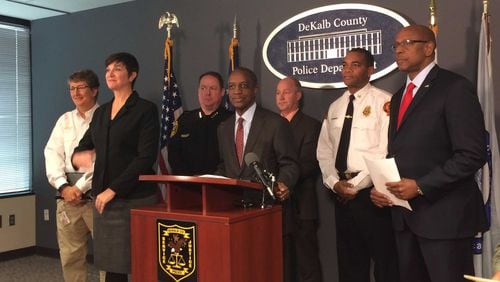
column 37, row 268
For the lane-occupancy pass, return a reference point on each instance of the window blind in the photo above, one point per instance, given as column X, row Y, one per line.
column 15, row 109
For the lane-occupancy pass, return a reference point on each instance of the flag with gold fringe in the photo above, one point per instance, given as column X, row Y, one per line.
column 171, row 108
column 489, row 176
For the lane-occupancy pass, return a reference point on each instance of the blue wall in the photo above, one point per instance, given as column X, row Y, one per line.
column 63, row 44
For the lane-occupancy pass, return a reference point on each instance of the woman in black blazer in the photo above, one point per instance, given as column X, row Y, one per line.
column 124, row 134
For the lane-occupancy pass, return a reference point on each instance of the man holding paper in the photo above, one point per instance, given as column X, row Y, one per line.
column 355, row 127
column 436, row 136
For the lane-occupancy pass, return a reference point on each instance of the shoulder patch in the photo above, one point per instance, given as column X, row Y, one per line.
column 174, row 128
column 387, row 107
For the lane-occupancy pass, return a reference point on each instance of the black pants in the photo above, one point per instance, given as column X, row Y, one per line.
column 365, row 233
column 306, row 251
column 289, row 266
column 116, row 277
column 426, row 260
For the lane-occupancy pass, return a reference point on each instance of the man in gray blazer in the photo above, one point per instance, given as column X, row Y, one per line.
column 264, row 133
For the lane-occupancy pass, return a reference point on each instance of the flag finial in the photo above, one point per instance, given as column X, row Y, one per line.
column 235, row 28
column 433, row 18
column 168, row 19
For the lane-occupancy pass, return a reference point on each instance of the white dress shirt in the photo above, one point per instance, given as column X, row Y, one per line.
column 368, row 135
column 418, row 80
column 65, row 136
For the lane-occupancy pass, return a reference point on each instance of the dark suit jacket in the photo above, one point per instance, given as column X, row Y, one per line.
column 125, row 147
column 440, row 144
column 306, row 132
column 270, row 139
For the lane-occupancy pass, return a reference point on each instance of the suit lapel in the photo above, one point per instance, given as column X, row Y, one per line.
column 255, row 129
column 131, row 101
column 422, row 91
column 230, row 135
column 395, row 103
column 294, row 123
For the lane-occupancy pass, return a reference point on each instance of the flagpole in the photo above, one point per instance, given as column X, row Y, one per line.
column 169, row 20
column 234, row 44
column 433, row 18
column 171, row 102
column 486, row 16
column 433, row 25
column 235, row 28
column 234, row 62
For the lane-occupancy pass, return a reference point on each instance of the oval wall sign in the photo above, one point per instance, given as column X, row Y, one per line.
column 311, row 45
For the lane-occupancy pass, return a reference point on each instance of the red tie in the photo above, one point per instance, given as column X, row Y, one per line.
column 239, row 140
column 406, row 102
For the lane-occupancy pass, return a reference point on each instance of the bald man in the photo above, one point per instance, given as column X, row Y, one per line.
column 305, row 132
column 436, row 135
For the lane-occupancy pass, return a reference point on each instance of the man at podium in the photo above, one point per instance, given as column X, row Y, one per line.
column 252, row 129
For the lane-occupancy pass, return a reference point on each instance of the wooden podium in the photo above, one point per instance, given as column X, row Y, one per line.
column 232, row 243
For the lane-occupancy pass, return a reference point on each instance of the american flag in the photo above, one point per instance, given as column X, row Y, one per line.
column 171, row 108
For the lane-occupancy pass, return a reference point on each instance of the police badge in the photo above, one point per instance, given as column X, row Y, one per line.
column 176, row 251
column 367, row 111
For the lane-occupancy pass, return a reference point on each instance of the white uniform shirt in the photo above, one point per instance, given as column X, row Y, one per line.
column 368, row 135
column 65, row 136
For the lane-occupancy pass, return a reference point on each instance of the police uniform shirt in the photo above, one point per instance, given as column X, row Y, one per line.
column 193, row 149
column 368, row 135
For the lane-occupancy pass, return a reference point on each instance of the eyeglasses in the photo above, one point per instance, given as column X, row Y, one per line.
column 242, row 86
column 80, row 87
column 407, row 43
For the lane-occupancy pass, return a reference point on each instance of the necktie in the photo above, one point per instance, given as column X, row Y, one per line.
column 345, row 138
column 239, row 140
column 406, row 102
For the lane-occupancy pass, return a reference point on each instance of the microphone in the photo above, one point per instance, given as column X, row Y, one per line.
column 252, row 160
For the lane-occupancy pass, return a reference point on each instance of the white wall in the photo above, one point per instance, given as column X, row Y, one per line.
column 22, row 234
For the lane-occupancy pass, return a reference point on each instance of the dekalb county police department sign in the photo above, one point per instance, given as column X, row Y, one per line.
column 311, row 45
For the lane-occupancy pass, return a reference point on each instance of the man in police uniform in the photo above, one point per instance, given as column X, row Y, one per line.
column 364, row 232
column 193, row 149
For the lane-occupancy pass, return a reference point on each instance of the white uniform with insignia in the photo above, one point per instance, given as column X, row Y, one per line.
column 368, row 135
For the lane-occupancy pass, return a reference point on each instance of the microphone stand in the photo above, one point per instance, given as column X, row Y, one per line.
column 269, row 185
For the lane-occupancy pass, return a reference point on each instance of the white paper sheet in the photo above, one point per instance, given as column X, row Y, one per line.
column 383, row 171
column 213, row 176
column 478, row 279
